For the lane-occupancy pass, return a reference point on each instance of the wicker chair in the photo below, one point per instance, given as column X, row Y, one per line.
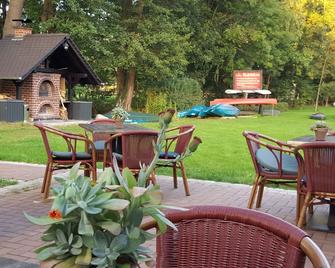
column 175, row 145
column 137, row 149
column 63, row 160
column 100, row 138
column 274, row 162
column 217, row 236
column 316, row 180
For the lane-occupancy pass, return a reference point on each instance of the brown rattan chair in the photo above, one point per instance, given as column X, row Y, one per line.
column 274, row 162
column 66, row 159
column 100, row 138
column 227, row 237
column 137, row 149
column 176, row 145
column 316, row 180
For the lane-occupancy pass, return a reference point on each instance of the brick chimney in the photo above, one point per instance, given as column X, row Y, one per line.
column 20, row 32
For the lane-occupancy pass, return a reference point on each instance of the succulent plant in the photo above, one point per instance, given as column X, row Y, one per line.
column 319, row 124
column 99, row 225
column 119, row 113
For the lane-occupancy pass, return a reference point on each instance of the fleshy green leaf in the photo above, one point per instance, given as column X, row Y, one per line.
column 85, row 257
column 116, row 204
column 85, row 227
column 113, row 227
column 61, row 236
column 45, row 254
column 44, row 220
column 138, row 191
column 129, row 177
column 74, row 171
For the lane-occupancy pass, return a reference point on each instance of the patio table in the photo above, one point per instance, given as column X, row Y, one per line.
column 327, row 222
column 112, row 129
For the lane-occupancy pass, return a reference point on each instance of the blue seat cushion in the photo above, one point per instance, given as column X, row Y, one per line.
column 168, row 155
column 68, row 155
column 267, row 160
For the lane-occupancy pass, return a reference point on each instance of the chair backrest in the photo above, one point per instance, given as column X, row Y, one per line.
column 253, row 146
column 137, row 148
column 184, row 137
column 318, row 164
column 102, row 136
column 217, row 236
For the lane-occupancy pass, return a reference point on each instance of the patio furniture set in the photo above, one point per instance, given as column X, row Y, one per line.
column 215, row 236
column 303, row 162
column 131, row 145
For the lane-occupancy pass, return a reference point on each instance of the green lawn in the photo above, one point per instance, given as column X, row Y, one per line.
column 223, row 156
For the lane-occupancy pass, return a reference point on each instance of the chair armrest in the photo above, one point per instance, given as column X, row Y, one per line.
column 108, row 148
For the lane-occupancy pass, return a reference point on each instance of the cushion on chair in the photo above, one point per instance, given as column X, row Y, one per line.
column 168, row 155
column 68, row 156
column 99, row 145
column 268, row 161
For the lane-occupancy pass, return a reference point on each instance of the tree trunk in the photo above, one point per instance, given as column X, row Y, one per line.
column 48, row 10
column 120, row 86
column 268, row 82
column 320, row 83
column 130, row 88
column 14, row 12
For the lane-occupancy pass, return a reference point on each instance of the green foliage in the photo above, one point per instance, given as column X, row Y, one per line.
column 156, row 102
column 103, row 101
column 183, row 92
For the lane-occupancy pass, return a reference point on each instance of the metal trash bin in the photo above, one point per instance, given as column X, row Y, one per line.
column 11, row 110
column 80, row 110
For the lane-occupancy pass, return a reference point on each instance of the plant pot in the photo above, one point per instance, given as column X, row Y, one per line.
column 320, row 134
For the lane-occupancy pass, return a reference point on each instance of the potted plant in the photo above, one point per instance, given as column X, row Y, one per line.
column 119, row 114
column 99, row 225
column 321, row 129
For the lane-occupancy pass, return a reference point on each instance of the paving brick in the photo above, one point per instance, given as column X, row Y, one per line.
column 18, row 237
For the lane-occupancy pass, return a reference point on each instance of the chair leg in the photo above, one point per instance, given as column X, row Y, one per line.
column 94, row 172
column 87, row 170
column 302, row 215
column 300, row 202
column 175, row 181
column 311, row 209
column 183, row 173
column 253, row 192
column 45, row 177
column 48, row 182
column 260, row 193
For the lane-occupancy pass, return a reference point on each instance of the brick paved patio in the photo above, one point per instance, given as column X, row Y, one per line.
column 18, row 237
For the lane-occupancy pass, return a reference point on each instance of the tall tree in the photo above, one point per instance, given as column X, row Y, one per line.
column 14, row 12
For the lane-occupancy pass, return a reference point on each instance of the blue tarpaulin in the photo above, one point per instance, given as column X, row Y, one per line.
column 214, row 110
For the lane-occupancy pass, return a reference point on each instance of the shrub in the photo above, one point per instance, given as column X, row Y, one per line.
column 183, row 92
column 103, row 101
column 156, row 102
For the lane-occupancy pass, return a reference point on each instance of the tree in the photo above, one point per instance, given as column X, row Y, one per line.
column 14, row 12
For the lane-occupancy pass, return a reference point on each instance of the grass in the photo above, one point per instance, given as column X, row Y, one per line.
column 223, row 156
column 7, row 182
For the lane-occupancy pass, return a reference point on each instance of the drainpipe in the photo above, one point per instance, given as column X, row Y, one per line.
column 17, row 89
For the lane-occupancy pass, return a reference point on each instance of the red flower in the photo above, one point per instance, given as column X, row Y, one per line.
column 55, row 214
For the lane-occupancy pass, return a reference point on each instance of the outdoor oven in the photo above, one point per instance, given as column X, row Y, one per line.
column 40, row 69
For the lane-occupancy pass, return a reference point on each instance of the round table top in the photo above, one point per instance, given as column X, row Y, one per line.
column 309, row 138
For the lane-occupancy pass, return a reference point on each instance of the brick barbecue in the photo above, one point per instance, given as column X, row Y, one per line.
column 32, row 67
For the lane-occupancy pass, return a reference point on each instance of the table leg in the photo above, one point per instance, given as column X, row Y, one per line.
column 323, row 222
column 331, row 217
